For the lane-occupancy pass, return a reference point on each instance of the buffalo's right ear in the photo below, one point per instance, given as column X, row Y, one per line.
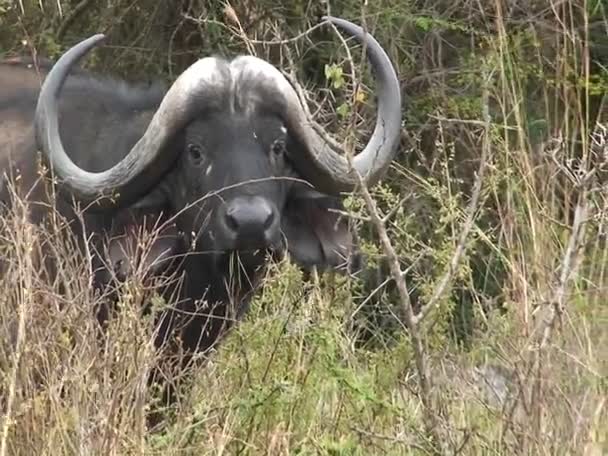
column 154, row 201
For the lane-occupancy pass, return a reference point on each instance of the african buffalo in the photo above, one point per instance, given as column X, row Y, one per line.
column 227, row 154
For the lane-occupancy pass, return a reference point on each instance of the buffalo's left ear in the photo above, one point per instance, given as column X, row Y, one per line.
column 317, row 234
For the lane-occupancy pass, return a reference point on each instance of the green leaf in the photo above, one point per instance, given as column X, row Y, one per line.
column 343, row 110
column 424, row 22
column 335, row 75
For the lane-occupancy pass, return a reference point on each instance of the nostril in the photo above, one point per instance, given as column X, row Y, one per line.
column 232, row 219
column 249, row 218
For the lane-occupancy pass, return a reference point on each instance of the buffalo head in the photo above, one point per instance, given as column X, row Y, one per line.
column 229, row 152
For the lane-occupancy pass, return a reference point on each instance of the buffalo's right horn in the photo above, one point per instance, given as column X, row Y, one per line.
column 149, row 158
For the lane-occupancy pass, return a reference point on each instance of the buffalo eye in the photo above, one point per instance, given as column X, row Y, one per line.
column 278, row 148
column 196, row 152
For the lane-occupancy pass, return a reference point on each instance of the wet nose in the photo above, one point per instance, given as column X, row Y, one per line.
column 251, row 219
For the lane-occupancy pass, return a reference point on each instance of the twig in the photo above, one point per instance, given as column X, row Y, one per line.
column 553, row 309
column 470, row 217
column 69, row 20
column 385, row 282
column 430, row 418
column 479, row 123
column 410, row 319
column 23, row 243
column 304, row 34
column 230, row 13
column 293, row 80
column 568, row 268
column 389, row 438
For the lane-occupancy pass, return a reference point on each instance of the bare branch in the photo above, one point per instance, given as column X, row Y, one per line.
column 69, row 20
column 471, row 213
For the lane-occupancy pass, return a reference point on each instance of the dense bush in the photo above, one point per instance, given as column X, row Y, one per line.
column 518, row 88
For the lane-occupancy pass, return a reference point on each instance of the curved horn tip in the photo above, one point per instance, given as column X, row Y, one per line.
column 381, row 148
column 97, row 36
column 339, row 21
column 83, row 47
column 93, row 40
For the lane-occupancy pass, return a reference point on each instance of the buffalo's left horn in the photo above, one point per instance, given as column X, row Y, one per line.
column 329, row 171
column 149, row 158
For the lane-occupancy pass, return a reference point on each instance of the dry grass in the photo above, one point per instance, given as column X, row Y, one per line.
column 288, row 380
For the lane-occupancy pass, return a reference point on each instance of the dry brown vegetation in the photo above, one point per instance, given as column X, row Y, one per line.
column 494, row 338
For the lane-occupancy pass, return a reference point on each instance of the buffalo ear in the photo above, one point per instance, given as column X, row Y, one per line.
column 154, row 201
column 124, row 247
column 317, row 235
column 155, row 258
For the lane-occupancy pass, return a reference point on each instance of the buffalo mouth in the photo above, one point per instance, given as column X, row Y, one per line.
column 252, row 254
column 245, row 253
column 245, row 262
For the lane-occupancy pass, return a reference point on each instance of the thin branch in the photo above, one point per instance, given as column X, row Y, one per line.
column 430, row 417
column 568, row 268
column 389, row 438
column 230, row 13
column 23, row 249
column 304, row 34
column 69, row 20
column 471, row 213
column 408, row 312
